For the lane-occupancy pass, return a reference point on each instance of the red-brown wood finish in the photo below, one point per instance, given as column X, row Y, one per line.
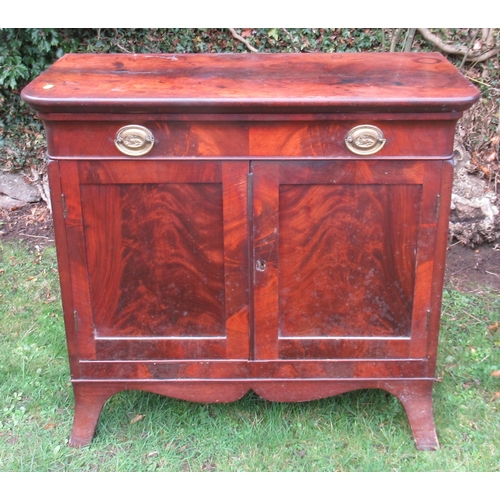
column 250, row 82
column 228, row 137
column 250, row 249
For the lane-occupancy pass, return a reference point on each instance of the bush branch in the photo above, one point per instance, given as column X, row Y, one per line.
column 395, row 39
column 459, row 51
column 241, row 39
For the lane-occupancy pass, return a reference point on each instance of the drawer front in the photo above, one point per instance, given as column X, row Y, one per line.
column 253, row 139
column 328, row 139
column 77, row 139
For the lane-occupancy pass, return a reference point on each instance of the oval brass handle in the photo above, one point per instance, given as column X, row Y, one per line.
column 134, row 140
column 365, row 140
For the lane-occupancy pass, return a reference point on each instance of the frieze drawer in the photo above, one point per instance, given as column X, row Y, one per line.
column 296, row 137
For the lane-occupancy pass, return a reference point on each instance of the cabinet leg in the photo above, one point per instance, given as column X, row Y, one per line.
column 417, row 402
column 88, row 405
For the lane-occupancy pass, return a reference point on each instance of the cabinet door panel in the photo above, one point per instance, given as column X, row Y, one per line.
column 346, row 257
column 156, row 265
column 166, row 254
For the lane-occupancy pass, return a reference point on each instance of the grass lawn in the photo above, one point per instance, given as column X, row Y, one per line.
column 360, row 431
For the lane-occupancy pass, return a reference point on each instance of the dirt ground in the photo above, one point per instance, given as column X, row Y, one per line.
column 469, row 270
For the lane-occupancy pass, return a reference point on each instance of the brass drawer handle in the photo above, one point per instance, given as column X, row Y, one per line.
column 365, row 140
column 134, row 140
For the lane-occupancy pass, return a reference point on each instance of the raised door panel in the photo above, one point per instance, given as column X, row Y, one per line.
column 159, row 258
column 343, row 254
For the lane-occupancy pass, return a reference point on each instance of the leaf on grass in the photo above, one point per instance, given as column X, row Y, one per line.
column 49, row 426
column 495, row 396
column 495, row 373
column 152, row 454
column 137, row 418
column 209, row 466
column 467, row 385
column 493, row 328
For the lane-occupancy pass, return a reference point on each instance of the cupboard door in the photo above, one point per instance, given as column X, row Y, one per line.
column 343, row 255
column 159, row 258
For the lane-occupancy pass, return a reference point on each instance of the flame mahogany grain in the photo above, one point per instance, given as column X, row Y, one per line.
column 155, row 83
column 250, row 249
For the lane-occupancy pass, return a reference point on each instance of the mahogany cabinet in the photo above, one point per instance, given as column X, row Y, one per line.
column 266, row 222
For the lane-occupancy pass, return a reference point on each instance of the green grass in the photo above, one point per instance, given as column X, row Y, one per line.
column 359, row 431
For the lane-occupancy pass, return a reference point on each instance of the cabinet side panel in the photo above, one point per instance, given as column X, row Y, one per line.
column 63, row 265
column 440, row 262
column 426, row 259
column 82, row 320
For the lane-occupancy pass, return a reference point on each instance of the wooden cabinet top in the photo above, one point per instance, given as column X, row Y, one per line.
column 251, row 83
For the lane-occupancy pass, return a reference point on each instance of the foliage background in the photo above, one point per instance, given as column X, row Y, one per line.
column 25, row 53
column 366, row 430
